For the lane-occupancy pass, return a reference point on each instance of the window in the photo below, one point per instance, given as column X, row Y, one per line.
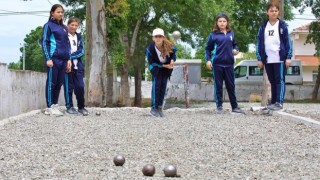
column 240, row 71
column 255, row 71
column 293, row 70
column 314, row 76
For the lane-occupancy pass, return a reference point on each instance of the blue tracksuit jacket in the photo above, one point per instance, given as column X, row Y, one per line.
column 154, row 62
column 79, row 53
column 285, row 43
column 219, row 48
column 55, row 41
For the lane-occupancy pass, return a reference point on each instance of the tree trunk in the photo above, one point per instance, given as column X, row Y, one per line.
column 316, row 86
column 124, row 85
column 137, row 83
column 98, row 51
column 88, row 55
column 129, row 51
column 266, row 92
column 109, row 97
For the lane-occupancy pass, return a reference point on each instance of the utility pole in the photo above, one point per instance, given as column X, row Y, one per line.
column 266, row 93
column 24, row 57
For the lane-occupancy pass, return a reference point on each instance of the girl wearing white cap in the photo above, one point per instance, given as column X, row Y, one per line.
column 161, row 54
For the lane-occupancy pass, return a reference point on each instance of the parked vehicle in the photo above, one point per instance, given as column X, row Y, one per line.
column 248, row 72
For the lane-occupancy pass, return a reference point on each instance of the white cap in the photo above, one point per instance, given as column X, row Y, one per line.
column 158, row 31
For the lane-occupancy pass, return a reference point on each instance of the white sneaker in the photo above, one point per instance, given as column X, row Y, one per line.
column 48, row 111
column 55, row 110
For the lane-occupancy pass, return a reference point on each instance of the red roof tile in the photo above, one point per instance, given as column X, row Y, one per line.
column 308, row 60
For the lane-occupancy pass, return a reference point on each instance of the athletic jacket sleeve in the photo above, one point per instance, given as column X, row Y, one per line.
column 80, row 50
column 148, row 55
column 46, row 34
column 151, row 60
column 209, row 48
column 258, row 45
column 287, row 43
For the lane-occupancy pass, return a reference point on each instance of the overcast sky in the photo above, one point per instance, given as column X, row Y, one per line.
column 14, row 28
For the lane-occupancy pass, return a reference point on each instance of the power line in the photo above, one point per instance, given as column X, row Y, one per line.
column 12, row 13
column 305, row 19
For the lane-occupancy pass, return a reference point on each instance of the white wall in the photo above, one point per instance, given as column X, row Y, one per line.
column 307, row 73
column 23, row 91
column 299, row 46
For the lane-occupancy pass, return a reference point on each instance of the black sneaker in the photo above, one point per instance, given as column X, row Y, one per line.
column 154, row 112
column 219, row 110
column 83, row 111
column 72, row 111
column 160, row 112
column 238, row 110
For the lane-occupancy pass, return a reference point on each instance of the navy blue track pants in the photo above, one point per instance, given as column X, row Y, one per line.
column 276, row 76
column 56, row 76
column 76, row 85
column 226, row 74
column 159, row 86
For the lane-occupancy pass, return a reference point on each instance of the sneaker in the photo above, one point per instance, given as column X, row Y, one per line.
column 83, row 111
column 276, row 106
column 72, row 111
column 270, row 106
column 219, row 110
column 154, row 112
column 48, row 111
column 55, row 110
column 238, row 110
column 160, row 112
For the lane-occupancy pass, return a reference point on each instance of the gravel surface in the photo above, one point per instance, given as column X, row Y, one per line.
column 311, row 111
column 201, row 144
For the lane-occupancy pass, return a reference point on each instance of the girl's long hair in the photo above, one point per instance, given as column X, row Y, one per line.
column 216, row 27
column 53, row 8
column 166, row 47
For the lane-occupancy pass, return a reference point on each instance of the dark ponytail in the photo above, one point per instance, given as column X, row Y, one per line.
column 53, row 8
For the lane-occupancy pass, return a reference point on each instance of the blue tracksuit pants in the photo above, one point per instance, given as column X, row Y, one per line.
column 159, row 86
column 56, row 76
column 76, row 85
column 220, row 74
column 276, row 76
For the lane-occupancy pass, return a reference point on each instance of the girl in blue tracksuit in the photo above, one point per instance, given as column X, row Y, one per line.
column 161, row 54
column 220, row 50
column 274, row 52
column 76, row 83
column 56, row 49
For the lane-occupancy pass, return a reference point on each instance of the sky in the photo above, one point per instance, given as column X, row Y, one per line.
column 14, row 28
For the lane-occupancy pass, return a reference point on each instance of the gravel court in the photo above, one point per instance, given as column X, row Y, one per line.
column 201, row 144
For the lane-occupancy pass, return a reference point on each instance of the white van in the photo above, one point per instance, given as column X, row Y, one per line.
column 248, row 72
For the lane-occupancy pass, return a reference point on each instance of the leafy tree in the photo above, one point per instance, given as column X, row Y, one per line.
column 183, row 52
column 314, row 37
column 15, row 66
column 34, row 58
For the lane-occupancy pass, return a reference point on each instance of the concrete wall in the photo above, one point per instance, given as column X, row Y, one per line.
column 204, row 91
column 22, row 91
column 244, row 92
column 194, row 71
column 308, row 73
